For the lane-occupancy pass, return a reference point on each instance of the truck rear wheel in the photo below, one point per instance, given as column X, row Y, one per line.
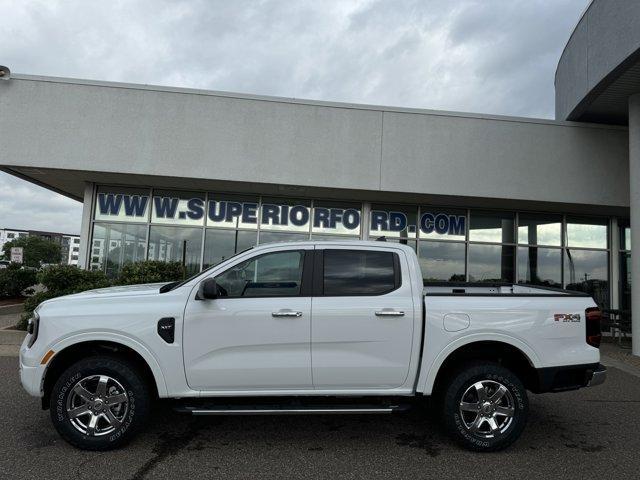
column 99, row 403
column 485, row 407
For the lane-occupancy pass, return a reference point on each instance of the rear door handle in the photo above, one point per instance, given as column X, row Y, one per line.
column 387, row 312
column 286, row 313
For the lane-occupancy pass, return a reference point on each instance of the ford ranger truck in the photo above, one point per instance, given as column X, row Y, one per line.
column 340, row 327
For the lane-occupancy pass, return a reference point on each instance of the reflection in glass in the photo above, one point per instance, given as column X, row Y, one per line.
column 270, row 237
column 540, row 266
column 271, row 275
column 176, row 244
column 393, row 221
column 115, row 245
column 493, row 227
column 442, row 261
column 178, row 208
column 625, row 281
column 586, row 232
column 490, row 263
column 625, row 234
column 358, row 272
column 403, row 241
column 539, row 229
column 222, row 244
column 332, row 238
column 588, row 271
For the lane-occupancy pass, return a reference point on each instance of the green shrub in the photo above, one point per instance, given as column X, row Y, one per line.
column 66, row 279
column 30, row 305
column 14, row 280
column 151, row 271
column 62, row 280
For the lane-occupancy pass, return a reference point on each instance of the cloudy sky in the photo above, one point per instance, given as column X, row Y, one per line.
column 486, row 56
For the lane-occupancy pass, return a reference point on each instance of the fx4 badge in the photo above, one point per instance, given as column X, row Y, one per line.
column 566, row 317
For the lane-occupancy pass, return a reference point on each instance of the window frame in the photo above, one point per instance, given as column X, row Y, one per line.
column 305, row 279
column 318, row 272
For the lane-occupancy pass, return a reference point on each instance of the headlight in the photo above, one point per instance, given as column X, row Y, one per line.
column 32, row 328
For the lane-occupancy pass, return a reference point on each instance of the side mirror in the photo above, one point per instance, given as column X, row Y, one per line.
column 207, row 290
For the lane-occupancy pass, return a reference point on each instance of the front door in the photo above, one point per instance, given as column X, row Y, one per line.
column 256, row 334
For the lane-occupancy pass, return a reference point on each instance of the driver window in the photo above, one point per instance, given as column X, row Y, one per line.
column 277, row 274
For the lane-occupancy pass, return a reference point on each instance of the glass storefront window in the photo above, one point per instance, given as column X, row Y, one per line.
column 442, row 224
column 403, row 241
column 122, row 205
column 586, row 232
column 178, row 208
column 232, row 211
column 540, row 266
column 493, row 227
column 176, row 244
column 400, row 221
column 491, row 263
column 285, row 214
column 336, row 218
column 451, row 243
column 442, row 261
column 271, row 237
column 331, row 238
column 222, row 244
column 625, row 234
column 588, row 271
column 625, row 281
column 115, row 245
column 539, row 229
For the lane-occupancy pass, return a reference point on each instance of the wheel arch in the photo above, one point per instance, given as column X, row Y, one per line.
column 73, row 349
column 509, row 352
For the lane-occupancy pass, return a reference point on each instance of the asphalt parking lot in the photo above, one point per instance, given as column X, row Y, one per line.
column 593, row 433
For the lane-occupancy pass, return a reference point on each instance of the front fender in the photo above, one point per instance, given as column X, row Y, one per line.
column 125, row 340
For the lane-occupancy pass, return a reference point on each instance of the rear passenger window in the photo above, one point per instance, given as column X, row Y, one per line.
column 359, row 272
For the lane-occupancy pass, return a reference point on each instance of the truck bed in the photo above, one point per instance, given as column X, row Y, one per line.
column 495, row 289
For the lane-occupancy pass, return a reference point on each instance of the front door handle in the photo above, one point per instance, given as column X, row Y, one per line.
column 286, row 313
column 387, row 312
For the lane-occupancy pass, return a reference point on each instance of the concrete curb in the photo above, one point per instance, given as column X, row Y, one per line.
column 11, row 309
column 9, row 336
column 612, row 362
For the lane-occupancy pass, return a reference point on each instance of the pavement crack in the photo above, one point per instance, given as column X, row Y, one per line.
column 168, row 445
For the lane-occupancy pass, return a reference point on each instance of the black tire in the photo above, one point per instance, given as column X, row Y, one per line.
column 115, row 425
column 476, row 429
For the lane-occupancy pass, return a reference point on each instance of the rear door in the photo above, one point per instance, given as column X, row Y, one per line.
column 362, row 319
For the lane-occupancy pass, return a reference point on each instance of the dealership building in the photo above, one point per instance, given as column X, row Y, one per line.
column 194, row 176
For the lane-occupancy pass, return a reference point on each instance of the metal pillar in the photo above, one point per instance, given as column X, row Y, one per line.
column 634, row 190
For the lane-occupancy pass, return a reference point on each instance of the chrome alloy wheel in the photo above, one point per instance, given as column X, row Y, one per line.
column 487, row 409
column 97, row 405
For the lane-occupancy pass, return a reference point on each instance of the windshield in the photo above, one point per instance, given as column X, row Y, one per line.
column 173, row 285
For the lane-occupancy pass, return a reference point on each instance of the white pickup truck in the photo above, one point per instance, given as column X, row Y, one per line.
column 310, row 327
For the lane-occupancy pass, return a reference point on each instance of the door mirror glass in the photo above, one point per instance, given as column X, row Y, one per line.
column 207, row 290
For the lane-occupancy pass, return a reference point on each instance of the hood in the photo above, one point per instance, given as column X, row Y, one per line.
column 119, row 291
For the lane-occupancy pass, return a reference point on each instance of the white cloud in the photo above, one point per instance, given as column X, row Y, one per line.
column 488, row 56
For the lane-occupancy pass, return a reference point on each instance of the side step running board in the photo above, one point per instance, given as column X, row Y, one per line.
column 290, row 410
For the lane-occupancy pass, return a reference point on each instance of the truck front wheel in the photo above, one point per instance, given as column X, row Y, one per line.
column 485, row 406
column 99, row 403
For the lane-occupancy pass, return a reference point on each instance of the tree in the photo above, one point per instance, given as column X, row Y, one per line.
column 36, row 250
